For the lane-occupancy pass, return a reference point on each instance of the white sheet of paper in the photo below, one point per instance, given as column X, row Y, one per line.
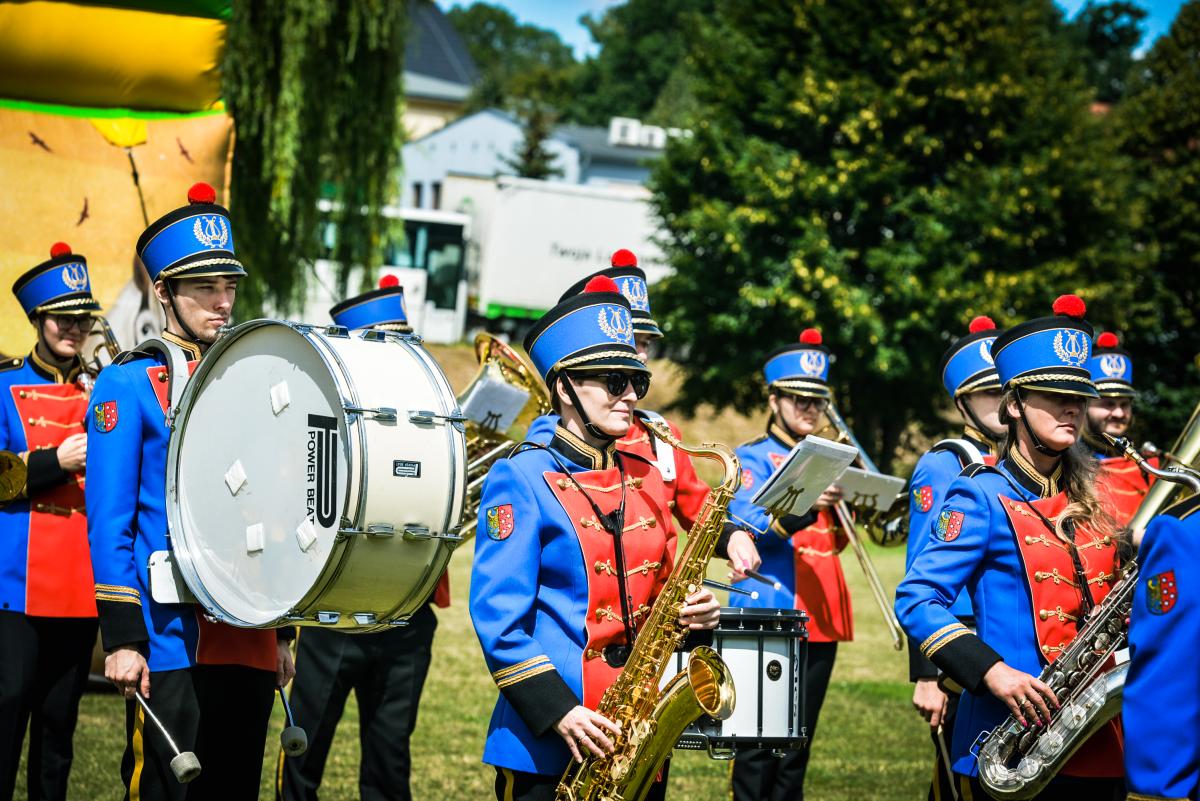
column 864, row 490
column 494, row 405
column 809, row 469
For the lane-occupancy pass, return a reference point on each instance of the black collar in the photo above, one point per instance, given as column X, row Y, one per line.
column 192, row 348
column 52, row 373
column 980, row 440
column 581, row 453
column 781, row 434
column 1028, row 477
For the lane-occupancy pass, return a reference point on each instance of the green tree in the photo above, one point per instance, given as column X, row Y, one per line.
column 1107, row 34
column 1159, row 124
column 316, row 91
column 885, row 172
column 515, row 60
column 532, row 159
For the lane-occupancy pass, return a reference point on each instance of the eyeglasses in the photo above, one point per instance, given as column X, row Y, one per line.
column 616, row 381
column 804, row 403
column 65, row 322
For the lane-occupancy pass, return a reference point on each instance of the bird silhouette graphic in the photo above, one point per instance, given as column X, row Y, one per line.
column 83, row 215
column 38, row 141
column 183, row 151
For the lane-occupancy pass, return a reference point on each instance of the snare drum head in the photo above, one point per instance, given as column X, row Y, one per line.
column 258, row 472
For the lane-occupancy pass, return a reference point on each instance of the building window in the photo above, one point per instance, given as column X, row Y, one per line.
column 435, row 195
column 416, row 197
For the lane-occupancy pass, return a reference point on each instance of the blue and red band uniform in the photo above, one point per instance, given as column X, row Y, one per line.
column 988, row 539
column 544, row 597
column 1161, row 707
column 1120, row 480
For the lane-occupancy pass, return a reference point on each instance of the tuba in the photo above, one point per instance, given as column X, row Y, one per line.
column 1018, row 763
column 845, row 520
column 499, row 365
column 650, row 721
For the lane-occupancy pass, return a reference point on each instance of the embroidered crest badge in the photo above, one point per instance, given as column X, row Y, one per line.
column 747, row 478
column 1072, row 349
column 812, row 363
column 615, row 323
column 105, row 415
column 985, row 350
column 777, row 459
column 500, row 522
column 1161, row 593
column 1113, row 365
column 948, row 526
column 923, row 497
column 212, row 232
column 74, row 277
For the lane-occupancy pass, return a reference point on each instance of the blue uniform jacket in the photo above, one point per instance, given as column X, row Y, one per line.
column 1162, row 692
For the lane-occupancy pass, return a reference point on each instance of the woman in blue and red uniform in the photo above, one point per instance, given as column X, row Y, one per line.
column 47, row 612
column 575, row 542
column 801, row 552
column 212, row 685
column 1034, row 548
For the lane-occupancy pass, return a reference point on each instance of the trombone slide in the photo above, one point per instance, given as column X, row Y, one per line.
column 844, row 519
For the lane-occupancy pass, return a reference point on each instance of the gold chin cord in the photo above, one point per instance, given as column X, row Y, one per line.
column 652, row 721
column 12, row 476
column 876, row 523
column 501, row 363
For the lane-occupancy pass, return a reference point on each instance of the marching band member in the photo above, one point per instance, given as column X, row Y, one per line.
column 47, row 612
column 386, row 670
column 575, row 542
column 1032, row 545
column 212, row 685
column 798, row 551
column 971, row 380
column 1161, row 704
column 1121, row 480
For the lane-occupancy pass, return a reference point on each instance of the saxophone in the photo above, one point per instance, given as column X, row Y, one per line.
column 1018, row 763
column 651, row 722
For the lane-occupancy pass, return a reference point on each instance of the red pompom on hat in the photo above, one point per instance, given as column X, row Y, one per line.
column 601, row 283
column 388, row 281
column 1107, row 340
column 202, row 193
column 624, row 258
column 982, row 323
column 59, row 249
column 1070, row 306
column 810, row 336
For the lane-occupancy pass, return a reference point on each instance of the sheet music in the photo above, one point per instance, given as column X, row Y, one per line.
column 809, row 469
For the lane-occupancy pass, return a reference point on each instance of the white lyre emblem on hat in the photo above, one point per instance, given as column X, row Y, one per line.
column 1113, row 365
column 635, row 292
column 212, row 232
column 812, row 362
column 985, row 350
column 615, row 323
column 1072, row 349
column 74, row 277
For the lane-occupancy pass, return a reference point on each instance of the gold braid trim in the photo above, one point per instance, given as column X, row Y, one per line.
column 940, row 632
column 511, row 680
column 62, row 304
column 528, row 663
column 191, row 265
column 591, row 357
column 991, row 380
column 942, row 643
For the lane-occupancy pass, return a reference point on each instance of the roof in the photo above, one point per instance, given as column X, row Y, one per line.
column 435, row 50
column 592, row 143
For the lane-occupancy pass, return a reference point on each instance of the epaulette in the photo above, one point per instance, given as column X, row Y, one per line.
column 11, row 363
column 1181, row 510
column 129, row 355
column 972, row 470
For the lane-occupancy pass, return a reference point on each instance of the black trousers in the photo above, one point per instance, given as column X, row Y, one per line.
column 515, row 785
column 1060, row 788
column 220, row 713
column 387, row 671
column 943, row 786
column 758, row 775
column 43, row 672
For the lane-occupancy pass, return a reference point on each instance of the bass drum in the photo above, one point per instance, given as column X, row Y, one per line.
column 315, row 476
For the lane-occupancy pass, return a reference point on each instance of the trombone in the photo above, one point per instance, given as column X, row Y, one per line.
column 845, row 520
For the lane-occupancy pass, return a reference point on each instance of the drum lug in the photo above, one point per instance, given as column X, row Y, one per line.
column 373, row 530
column 328, row 618
column 416, row 532
column 424, row 418
column 364, row 618
column 383, row 414
column 339, row 331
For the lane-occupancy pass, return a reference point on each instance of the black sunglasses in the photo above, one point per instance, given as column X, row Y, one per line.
column 804, row 403
column 616, row 381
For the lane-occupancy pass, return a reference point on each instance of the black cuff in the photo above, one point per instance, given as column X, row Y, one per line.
column 919, row 666
column 121, row 623
column 722, row 549
column 965, row 659
column 793, row 523
column 695, row 639
column 285, row 634
column 44, row 471
column 541, row 700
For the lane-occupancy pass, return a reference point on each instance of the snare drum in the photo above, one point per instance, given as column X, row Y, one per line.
column 315, row 476
column 765, row 650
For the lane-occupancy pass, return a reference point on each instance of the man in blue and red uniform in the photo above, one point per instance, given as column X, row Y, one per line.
column 798, row 551
column 970, row 378
column 386, row 670
column 47, row 612
column 212, row 685
column 1161, row 711
column 575, row 542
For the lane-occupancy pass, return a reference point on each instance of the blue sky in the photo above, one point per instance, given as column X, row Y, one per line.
column 563, row 16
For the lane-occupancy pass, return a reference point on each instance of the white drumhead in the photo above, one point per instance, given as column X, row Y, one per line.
column 258, row 470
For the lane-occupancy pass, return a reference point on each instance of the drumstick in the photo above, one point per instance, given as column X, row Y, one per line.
column 754, row 574
column 293, row 738
column 716, row 585
column 184, row 765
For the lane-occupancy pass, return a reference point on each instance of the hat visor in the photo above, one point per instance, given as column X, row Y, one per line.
column 601, row 363
column 988, row 384
column 86, row 305
column 803, row 388
column 1115, row 389
column 1083, row 389
column 647, row 328
column 205, row 270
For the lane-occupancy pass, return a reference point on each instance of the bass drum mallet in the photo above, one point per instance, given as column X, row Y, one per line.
column 184, row 765
column 293, row 739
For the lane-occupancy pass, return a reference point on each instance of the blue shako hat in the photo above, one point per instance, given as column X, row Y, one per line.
column 191, row 241
column 1048, row 354
column 58, row 286
column 967, row 366
column 589, row 331
column 379, row 308
column 1112, row 368
column 631, row 282
column 801, row 369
